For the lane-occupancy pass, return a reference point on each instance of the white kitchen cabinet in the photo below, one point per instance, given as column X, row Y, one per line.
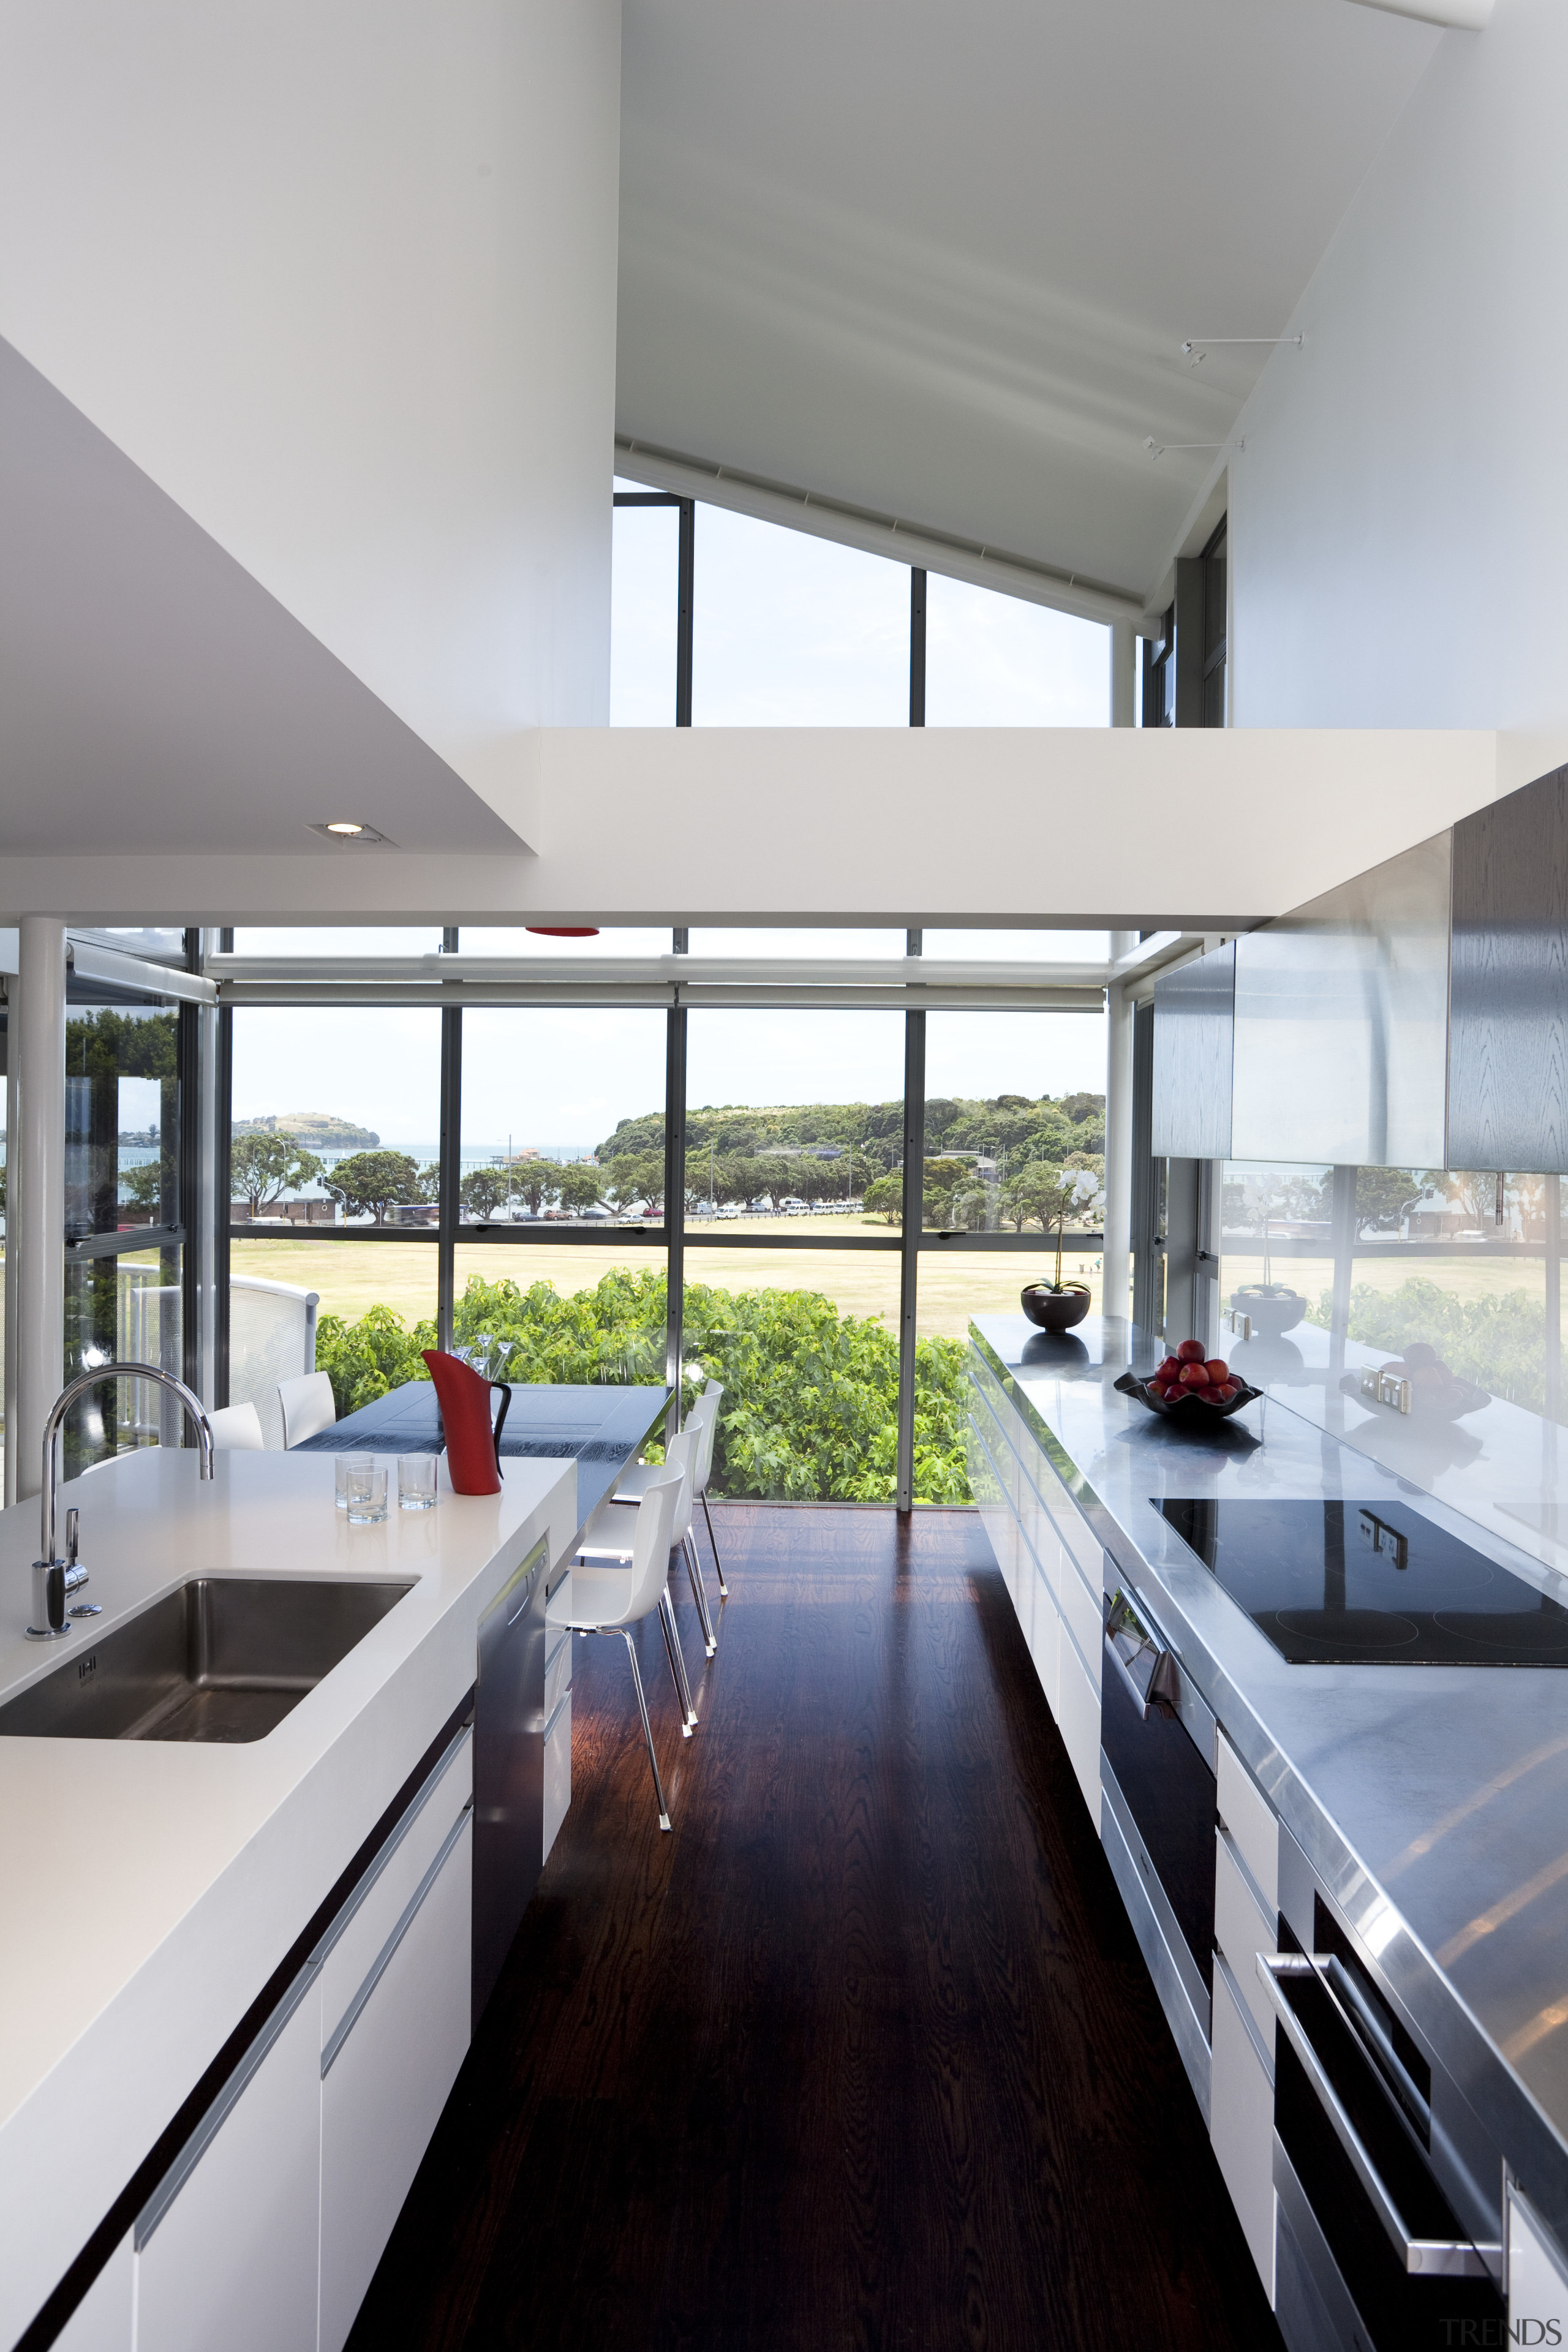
column 1083, row 1613
column 1241, row 2120
column 1242, row 1929
column 1250, row 1819
column 384, row 2078
column 227, row 2249
column 1045, row 1641
column 104, row 2320
column 1536, row 2278
column 1077, row 1719
column 557, row 1769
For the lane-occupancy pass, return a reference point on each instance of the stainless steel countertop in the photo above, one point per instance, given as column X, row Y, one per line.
column 1433, row 1801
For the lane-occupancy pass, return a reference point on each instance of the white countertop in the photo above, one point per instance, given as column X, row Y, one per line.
column 150, row 1889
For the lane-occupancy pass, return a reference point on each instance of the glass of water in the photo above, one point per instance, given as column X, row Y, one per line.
column 367, row 1491
column 341, row 1465
column 415, row 1482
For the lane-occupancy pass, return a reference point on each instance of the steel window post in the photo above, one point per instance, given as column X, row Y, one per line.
column 451, row 1170
column 686, row 575
column 675, row 1204
column 908, row 1262
column 916, row 649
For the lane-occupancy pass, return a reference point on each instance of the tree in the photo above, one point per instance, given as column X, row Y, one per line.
column 636, row 1176
column 532, row 1182
column 373, row 1182
column 1383, row 1195
column 263, row 1167
column 1029, row 1197
column 144, row 1186
column 578, row 1186
column 885, row 1198
column 482, row 1190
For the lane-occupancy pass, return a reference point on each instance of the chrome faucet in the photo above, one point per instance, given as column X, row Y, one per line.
column 52, row 1578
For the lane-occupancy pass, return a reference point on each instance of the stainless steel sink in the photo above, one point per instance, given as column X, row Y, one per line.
column 222, row 1659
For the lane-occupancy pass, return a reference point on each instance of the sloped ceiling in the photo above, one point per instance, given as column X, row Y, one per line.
column 938, row 259
column 155, row 698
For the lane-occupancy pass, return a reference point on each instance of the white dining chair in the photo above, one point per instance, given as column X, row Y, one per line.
column 633, row 1483
column 236, row 1429
column 711, row 1398
column 307, row 1407
column 610, row 1535
column 612, row 1598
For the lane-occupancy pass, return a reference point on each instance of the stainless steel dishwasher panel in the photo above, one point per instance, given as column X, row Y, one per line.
column 509, row 1768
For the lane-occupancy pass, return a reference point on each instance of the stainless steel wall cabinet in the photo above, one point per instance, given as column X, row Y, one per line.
column 1417, row 1015
column 1508, row 1053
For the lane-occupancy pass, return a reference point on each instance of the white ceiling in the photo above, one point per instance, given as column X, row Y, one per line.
column 155, row 698
column 937, row 257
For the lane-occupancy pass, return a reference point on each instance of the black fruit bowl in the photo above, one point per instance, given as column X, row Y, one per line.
column 1194, row 1410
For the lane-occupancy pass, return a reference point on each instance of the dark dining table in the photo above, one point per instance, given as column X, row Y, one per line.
column 601, row 1427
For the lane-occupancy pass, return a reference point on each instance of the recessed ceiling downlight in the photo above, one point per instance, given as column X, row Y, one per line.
column 349, row 829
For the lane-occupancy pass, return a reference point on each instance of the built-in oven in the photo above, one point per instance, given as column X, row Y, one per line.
column 1157, row 1780
column 1388, row 2232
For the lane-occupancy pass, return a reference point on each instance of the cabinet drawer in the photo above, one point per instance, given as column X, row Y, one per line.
column 557, row 1771
column 1044, row 1643
column 1242, row 1930
column 1250, row 1819
column 1077, row 1719
column 359, row 1936
column 557, row 1671
column 1241, row 2124
column 1084, row 1613
column 387, row 2082
column 1537, row 2281
column 231, row 2258
column 103, row 2321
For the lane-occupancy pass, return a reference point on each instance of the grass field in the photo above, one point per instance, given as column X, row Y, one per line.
column 352, row 1275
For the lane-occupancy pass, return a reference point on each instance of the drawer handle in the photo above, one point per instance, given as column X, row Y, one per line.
column 1419, row 2257
column 351, row 2014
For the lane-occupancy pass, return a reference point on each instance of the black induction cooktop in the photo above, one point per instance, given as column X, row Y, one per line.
column 1368, row 1583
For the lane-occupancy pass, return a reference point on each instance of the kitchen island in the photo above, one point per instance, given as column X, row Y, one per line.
column 1426, row 1800
column 166, row 1903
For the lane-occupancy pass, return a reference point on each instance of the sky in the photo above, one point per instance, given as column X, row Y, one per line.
column 788, row 630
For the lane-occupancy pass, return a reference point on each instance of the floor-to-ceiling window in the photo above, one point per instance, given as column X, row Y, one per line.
column 125, row 1216
column 685, row 1150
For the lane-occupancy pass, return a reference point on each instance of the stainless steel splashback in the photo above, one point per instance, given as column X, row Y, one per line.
column 1342, row 1021
column 1415, row 1016
column 1508, row 1091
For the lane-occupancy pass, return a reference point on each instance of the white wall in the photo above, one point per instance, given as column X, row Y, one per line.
column 340, row 275
column 1400, row 513
column 1113, row 828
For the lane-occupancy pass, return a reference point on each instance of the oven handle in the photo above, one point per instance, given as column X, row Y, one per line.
column 1160, row 1698
column 1420, row 2257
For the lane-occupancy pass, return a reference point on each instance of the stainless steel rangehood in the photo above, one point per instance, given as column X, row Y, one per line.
column 1416, row 1016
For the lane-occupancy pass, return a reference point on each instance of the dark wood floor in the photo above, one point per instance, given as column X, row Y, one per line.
column 864, row 2054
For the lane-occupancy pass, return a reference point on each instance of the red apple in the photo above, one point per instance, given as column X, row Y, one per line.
column 1218, row 1369
column 1168, row 1369
column 1195, row 1375
column 1224, row 1392
column 1191, row 1352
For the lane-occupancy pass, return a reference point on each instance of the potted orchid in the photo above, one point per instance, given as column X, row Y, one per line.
column 1074, row 1190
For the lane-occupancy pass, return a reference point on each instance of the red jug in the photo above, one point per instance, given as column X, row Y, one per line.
column 473, row 1448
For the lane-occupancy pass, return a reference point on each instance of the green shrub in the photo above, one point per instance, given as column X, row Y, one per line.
column 811, row 1395
column 1499, row 1342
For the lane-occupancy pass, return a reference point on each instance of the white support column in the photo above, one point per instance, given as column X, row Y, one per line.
column 35, row 1208
column 1117, row 1262
column 1123, row 672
